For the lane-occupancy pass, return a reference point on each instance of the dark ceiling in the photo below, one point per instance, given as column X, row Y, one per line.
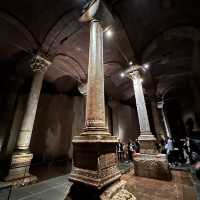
column 162, row 33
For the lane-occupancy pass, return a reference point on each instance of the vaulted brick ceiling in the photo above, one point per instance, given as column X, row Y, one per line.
column 160, row 32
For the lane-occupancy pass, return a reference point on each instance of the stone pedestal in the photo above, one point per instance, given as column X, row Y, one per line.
column 152, row 166
column 147, row 143
column 19, row 169
column 94, row 160
column 149, row 163
column 116, row 191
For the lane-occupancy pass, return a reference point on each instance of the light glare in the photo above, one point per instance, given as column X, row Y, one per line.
column 122, row 75
column 109, row 33
column 146, row 66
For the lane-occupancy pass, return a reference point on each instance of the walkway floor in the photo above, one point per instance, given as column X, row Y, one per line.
column 51, row 189
column 182, row 187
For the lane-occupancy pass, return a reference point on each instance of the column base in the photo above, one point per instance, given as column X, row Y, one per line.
column 19, row 169
column 114, row 191
column 152, row 166
column 147, row 143
column 94, row 160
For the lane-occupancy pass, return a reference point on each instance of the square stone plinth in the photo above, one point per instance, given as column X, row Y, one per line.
column 19, row 169
column 95, row 161
column 152, row 166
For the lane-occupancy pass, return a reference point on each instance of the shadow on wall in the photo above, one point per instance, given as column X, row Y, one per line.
column 126, row 123
column 53, row 128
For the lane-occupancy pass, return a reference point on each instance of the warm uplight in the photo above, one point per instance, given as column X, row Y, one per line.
column 146, row 66
column 122, row 75
column 109, row 33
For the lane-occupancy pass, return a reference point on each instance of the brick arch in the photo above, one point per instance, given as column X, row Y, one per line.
column 20, row 28
column 66, row 65
column 62, row 30
column 189, row 32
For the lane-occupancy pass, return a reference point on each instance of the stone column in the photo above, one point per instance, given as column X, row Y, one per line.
column 114, row 105
column 21, row 158
column 156, row 119
column 149, row 163
column 166, row 123
column 146, row 138
column 95, row 103
column 94, row 158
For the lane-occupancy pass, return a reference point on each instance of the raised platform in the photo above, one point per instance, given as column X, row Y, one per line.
column 152, row 166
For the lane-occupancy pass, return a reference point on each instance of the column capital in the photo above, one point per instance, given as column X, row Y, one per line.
column 135, row 73
column 39, row 64
column 160, row 104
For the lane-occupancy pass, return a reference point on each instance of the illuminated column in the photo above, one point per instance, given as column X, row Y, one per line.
column 146, row 138
column 94, row 157
column 95, row 103
column 22, row 157
column 149, row 163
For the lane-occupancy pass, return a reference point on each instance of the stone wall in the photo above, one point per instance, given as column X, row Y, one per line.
column 58, row 119
column 125, row 122
column 7, row 107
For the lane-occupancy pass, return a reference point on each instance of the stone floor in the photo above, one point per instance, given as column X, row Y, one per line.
column 180, row 188
column 51, row 189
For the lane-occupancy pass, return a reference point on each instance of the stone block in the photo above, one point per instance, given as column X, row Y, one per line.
column 117, row 191
column 94, row 161
column 147, row 144
column 19, row 169
column 152, row 166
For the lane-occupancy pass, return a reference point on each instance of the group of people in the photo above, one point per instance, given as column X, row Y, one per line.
column 127, row 151
column 178, row 153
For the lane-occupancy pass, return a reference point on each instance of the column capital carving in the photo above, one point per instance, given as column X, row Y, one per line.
column 160, row 104
column 39, row 64
column 135, row 74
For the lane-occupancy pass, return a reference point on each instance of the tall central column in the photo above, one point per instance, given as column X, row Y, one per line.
column 94, row 157
column 95, row 103
column 149, row 163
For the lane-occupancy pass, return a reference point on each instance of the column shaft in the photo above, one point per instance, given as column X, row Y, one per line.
column 95, row 103
column 25, row 132
column 156, row 119
column 166, row 123
column 140, row 104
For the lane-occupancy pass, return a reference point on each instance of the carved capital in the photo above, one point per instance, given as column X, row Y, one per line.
column 160, row 104
column 135, row 74
column 39, row 64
